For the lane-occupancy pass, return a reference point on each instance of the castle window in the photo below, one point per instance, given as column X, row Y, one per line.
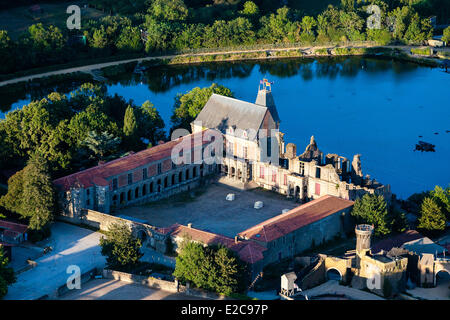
column 269, row 147
column 245, row 153
column 144, row 173
column 130, row 178
column 114, row 183
column 318, row 172
column 302, row 168
column 317, row 191
column 159, row 168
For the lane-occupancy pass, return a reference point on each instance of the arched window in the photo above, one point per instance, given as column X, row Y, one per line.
column 144, row 189
column 173, row 179
column 151, row 187
column 122, row 198
column 194, row 172
column 180, row 177
column 165, row 182
column 129, row 195
column 187, row 174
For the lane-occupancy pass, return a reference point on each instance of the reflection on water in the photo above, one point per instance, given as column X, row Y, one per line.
column 377, row 107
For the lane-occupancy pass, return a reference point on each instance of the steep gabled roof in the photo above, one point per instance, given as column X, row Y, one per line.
column 296, row 218
column 222, row 112
column 265, row 99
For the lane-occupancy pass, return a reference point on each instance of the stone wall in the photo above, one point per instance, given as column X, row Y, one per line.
column 102, row 221
column 170, row 286
column 306, row 237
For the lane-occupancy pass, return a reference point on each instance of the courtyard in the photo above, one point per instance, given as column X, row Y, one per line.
column 207, row 209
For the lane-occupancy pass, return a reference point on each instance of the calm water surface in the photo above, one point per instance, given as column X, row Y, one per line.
column 377, row 108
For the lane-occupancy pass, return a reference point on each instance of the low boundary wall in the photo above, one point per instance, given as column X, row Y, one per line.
column 153, row 283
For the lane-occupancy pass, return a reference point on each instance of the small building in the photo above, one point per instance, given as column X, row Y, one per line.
column 12, row 233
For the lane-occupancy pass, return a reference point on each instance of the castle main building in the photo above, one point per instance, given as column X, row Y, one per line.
column 150, row 175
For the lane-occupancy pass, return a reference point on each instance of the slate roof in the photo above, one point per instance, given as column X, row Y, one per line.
column 423, row 245
column 247, row 251
column 98, row 175
column 296, row 218
column 265, row 99
column 222, row 112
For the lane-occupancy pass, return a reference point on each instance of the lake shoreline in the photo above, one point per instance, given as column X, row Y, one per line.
column 270, row 52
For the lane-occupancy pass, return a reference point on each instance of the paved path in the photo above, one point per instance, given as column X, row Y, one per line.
column 91, row 67
column 71, row 246
column 105, row 289
column 332, row 287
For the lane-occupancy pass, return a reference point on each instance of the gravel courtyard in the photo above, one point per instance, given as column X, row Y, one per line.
column 208, row 209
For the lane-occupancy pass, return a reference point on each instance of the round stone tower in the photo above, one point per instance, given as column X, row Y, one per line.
column 363, row 235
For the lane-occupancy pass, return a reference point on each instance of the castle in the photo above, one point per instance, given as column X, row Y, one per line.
column 252, row 159
column 252, row 154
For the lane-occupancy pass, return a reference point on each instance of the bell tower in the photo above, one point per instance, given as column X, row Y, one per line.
column 265, row 99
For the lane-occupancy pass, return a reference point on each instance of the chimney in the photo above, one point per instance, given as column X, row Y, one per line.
column 189, row 225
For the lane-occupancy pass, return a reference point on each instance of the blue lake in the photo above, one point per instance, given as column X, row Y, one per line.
column 377, row 108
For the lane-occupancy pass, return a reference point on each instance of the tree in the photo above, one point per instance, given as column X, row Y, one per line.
column 279, row 27
column 121, row 249
column 446, row 35
column 129, row 39
column 189, row 105
column 7, row 276
column 372, row 209
column 442, row 197
column 250, row 9
column 7, row 56
column 99, row 38
column 348, row 5
column 212, row 268
column 159, row 34
column 228, row 271
column 130, row 128
column 432, row 218
column 31, row 193
column 380, row 36
column 150, row 123
column 170, row 10
column 103, row 145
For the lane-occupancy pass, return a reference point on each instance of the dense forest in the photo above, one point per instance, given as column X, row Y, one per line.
column 157, row 26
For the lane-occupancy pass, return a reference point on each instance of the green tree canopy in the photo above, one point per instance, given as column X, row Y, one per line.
column 211, row 268
column 168, row 10
column 7, row 276
column 372, row 209
column 31, row 193
column 432, row 218
column 446, row 35
column 189, row 105
column 121, row 249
